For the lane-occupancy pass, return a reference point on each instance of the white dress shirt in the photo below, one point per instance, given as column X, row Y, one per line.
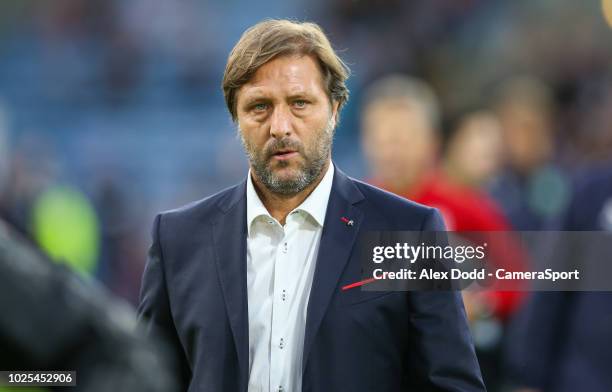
column 280, row 268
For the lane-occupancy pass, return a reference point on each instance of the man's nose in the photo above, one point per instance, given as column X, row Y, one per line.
column 281, row 122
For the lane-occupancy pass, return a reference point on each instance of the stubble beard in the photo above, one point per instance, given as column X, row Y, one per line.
column 307, row 171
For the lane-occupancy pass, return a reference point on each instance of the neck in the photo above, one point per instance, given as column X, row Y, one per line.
column 454, row 175
column 404, row 185
column 280, row 205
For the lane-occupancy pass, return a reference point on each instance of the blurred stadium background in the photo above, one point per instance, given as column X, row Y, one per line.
column 112, row 110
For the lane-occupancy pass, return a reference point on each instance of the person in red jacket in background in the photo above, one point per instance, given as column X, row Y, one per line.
column 402, row 142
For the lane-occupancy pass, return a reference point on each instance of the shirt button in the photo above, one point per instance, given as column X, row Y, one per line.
column 281, row 344
column 284, row 295
column 285, row 247
column 280, row 388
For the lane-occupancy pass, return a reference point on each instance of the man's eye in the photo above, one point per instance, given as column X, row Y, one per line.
column 300, row 103
column 260, row 107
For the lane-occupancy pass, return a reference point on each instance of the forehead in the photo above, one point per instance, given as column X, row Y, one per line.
column 294, row 74
column 396, row 110
column 398, row 117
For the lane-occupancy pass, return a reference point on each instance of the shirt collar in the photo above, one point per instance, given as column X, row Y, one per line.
column 315, row 204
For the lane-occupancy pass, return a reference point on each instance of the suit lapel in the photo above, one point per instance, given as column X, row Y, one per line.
column 337, row 241
column 230, row 234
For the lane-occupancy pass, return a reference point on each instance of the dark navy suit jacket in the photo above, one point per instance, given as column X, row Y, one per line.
column 194, row 293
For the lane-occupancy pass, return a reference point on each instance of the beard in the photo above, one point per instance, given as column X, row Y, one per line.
column 307, row 171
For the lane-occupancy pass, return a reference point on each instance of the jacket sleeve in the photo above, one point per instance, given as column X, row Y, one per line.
column 154, row 315
column 442, row 355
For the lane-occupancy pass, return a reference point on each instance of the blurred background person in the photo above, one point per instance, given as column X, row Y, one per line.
column 473, row 153
column 400, row 132
column 53, row 320
column 532, row 189
column 561, row 341
column 402, row 138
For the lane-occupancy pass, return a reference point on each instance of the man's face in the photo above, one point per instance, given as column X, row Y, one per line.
column 527, row 135
column 398, row 141
column 286, row 123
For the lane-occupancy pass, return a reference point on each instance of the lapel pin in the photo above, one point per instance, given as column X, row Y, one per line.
column 347, row 221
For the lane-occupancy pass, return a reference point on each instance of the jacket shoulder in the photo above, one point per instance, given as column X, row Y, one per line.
column 203, row 210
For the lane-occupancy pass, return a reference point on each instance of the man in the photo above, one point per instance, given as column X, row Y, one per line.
column 561, row 340
column 532, row 189
column 402, row 138
column 247, row 283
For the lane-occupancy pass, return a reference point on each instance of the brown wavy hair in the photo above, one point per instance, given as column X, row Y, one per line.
column 279, row 37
